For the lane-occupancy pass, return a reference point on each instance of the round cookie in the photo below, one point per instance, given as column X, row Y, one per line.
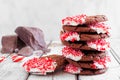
column 74, row 36
column 96, row 45
column 44, row 65
column 83, row 19
column 95, row 19
column 70, row 68
column 96, row 64
column 78, row 55
column 93, row 28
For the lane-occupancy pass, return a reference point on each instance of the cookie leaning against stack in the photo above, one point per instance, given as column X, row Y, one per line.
column 85, row 43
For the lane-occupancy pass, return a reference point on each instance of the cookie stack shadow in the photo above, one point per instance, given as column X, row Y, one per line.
column 86, row 45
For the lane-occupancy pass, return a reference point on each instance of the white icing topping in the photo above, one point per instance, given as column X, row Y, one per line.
column 70, row 36
column 75, row 58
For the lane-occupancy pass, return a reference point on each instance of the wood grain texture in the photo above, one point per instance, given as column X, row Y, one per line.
column 13, row 71
column 38, row 77
column 10, row 70
column 64, row 76
column 111, row 74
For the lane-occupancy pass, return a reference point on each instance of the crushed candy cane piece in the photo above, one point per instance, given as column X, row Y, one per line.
column 17, row 58
column 40, row 65
column 2, row 58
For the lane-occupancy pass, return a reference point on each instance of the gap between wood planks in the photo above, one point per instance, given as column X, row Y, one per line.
column 115, row 55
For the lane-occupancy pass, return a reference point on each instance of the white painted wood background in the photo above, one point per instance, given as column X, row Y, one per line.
column 47, row 14
column 12, row 71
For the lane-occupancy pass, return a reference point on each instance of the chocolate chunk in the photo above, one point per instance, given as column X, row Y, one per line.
column 32, row 37
column 26, row 51
column 9, row 43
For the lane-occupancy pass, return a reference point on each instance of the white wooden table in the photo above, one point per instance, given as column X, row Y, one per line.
column 12, row 71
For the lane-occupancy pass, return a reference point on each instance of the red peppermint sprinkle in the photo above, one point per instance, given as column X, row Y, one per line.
column 72, row 69
column 2, row 59
column 74, row 20
column 102, row 26
column 102, row 63
column 100, row 44
column 43, row 65
column 70, row 36
column 17, row 58
column 68, row 50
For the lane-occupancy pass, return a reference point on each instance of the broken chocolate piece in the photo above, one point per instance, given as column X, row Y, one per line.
column 20, row 44
column 26, row 51
column 9, row 43
column 32, row 37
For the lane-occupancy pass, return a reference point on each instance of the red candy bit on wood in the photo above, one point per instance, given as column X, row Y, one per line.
column 16, row 58
column 42, row 65
column 100, row 44
column 102, row 63
column 72, row 69
column 2, row 59
column 104, row 27
column 74, row 20
column 70, row 36
column 68, row 50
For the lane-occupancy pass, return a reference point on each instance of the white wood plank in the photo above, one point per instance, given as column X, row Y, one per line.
column 64, row 76
column 111, row 74
column 38, row 77
column 12, row 71
column 115, row 44
column 3, row 55
column 113, row 62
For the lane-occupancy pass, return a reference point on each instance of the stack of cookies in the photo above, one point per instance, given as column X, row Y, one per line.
column 85, row 39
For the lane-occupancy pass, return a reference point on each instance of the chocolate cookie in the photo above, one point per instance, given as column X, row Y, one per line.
column 32, row 37
column 93, row 28
column 79, row 28
column 44, row 65
column 74, row 36
column 83, row 19
column 88, row 45
column 78, row 55
column 91, row 56
column 96, row 64
column 70, row 68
